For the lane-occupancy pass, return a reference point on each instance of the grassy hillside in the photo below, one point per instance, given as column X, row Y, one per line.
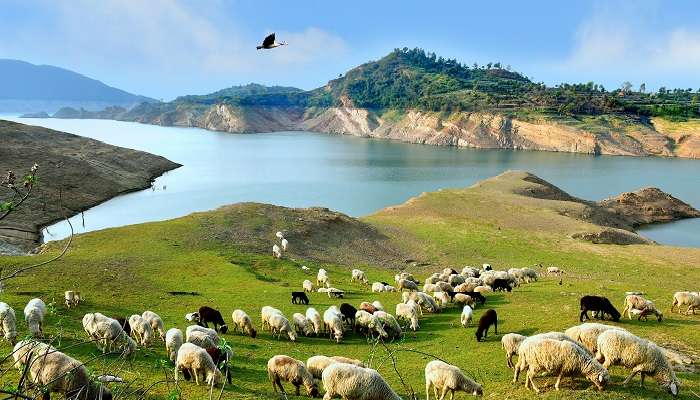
column 218, row 255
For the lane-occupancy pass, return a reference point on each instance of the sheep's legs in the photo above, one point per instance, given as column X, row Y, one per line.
column 443, row 392
column 509, row 361
column 556, row 385
column 629, row 378
column 641, row 383
column 530, row 375
column 427, row 390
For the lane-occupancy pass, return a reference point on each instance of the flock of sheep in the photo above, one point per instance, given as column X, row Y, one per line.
column 586, row 350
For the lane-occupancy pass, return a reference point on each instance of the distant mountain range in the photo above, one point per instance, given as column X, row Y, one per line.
column 26, row 87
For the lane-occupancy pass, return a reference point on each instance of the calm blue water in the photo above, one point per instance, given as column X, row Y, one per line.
column 352, row 175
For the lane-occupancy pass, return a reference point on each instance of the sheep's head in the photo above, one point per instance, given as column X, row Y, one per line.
column 478, row 390
column 312, row 389
column 292, row 335
column 338, row 336
column 253, row 333
column 601, row 378
column 223, row 328
column 215, row 377
column 659, row 316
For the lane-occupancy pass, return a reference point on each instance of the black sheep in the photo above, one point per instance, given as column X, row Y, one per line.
column 600, row 306
column 489, row 318
column 385, row 284
column 208, row 314
column 124, row 324
column 501, row 284
column 299, row 298
column 348, row 312
column 477, row 297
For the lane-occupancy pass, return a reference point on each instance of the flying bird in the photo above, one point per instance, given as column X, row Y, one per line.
column 270, row 43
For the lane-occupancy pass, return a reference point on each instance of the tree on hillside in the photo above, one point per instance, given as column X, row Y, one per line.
column 643, row 88
column 19, row 192
column 626, row 87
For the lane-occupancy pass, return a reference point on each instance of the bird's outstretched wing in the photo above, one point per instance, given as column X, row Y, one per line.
column 269, row 40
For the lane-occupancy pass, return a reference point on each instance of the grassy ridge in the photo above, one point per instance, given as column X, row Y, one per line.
column 130, row 269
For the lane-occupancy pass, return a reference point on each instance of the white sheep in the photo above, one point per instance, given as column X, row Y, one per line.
column 173, row 341
column 322, row 278
column 24, row 348
column 690, row 299
column 443, row 298
column 378, row 305
column 34, row 313
column 284, row 368
column 430, row 288
column 265, row 313
column 587, row 334
column 554, row 270
column 390, row 324
column 279, row 235
column 242, row 321
column 408, row 285
column 276, row 251
column 317, row 364
column 199, row 363
column 445, row 378
column 443, row 287
column 560, row 358
column 390, row 289
column 470, row 272
column 511, row 343
column 409, row 313
column 333, row 322
column 483, row 289
column 141, row 329
column 466, row 317
column 285, row 244
column 307, row 286
column 377, row 287
column 335, row 293
column 8, row 323
column 70, row 301
column 107, row 333
column 618, row 347
column 641, row 307
column 529, row 275
column 359, row 276
column 357, row 383
column 156, row 323
column 405, row 275
column 462, row 299
column 59, row 373
column 427, row 302
column 302, row 324
column 201, row 336
column 280, row 324
column 465, row 287
column 192, row 317
column 370, row 324
column 315, row 318
column 306, row 269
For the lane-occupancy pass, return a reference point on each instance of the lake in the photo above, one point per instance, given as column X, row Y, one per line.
column 353, row 175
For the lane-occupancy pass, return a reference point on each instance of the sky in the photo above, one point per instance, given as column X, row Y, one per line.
column 167, row 48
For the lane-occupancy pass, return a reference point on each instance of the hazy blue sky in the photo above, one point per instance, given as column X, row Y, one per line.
column 164, row 48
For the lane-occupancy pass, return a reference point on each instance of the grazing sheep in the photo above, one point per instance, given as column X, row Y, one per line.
column 600, row 305
column 317, row 364
column 462, row 299
column 284, row 368
column 300, row 298
column 24, row 348
column 470, row 272
column 335, row 293
column 369, row 307
column 156, row 323
column 280, row 324
column 443, row 298
column 560, row 358
column 443, row 287
column 618, row 347
column 192, row 317
column 173, row 341
column 487, row 319
column 355, row 383
column 348, row 313
column 390, row 324
column 315, row 318
column 8, row 323
column 427, row 302
column 322, row 278
column 332, row 319
column 390, row 289
column 587, row 334
column 501, row 284
column 405, row 275
column 306, row 269
column 466, row 287
column 529, row 275
column 483, row 289
column 199, row 363
column 265, row 313
column 466, row 317
column 456, row 280
column 554, row 270
column 409, row 313
column 107, row 332
column 641, row 307
column 359, row 275
column 478, row 297
column 141, row 330
column 302, row 325
column 242, row 321
column 346, row 360
column 285, row 244
column 308, row 286
column 276, row 251
column 279, row 235
column 430, row 288
column 378, row 305
column 70, row 298
column 511, row 343
column 201, row 336
column 369, row 324
column 220, row 358
column 208, row 314
column 377, row 287
column 34, row 313
column 444, row 377
column 59, row 373
column 690, row 299
column 407, row 285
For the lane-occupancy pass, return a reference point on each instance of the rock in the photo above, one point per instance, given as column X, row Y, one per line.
column 612, row 236
column 648, row 206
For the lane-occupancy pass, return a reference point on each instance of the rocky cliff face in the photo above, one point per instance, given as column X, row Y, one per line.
column 461, row 129
column 648, row 206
